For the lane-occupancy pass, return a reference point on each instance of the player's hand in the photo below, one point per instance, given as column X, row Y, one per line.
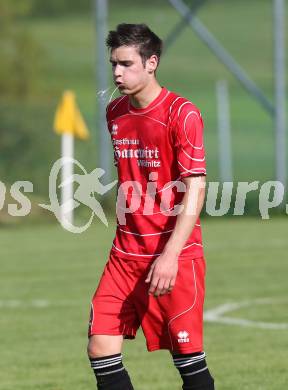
column 162, row 275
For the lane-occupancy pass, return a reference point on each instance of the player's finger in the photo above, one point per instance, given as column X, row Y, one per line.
column 171, row 285
column 159, row 288
column 172, row 282
column 148, row 279
column 165, row 288
column 153, row 285
column 170, row 289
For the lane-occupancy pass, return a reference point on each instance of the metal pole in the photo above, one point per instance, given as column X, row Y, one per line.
column 180, row 26
column 224, row 131
column 101, row 9
column 67, row 151
column 222, row 54
column 279, row 64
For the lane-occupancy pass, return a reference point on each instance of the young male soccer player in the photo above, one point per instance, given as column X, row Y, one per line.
column 154, row 277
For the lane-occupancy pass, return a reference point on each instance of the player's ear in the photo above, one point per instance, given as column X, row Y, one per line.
column 152, row 63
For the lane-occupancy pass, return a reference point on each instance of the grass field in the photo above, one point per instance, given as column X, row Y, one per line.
column 48, row 276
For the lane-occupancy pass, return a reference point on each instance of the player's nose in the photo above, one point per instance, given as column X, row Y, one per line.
column 117, row 71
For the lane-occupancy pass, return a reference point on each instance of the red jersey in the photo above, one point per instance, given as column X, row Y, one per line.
column 154, row 148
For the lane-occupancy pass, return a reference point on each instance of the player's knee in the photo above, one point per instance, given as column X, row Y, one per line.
column 102, row 345
column 95, row 348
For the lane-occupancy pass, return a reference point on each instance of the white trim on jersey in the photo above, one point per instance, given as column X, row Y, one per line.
column 192, row 170
column 134, row 254
column 156, row 120
column 155, row 254
column 170, row 110
column 158, row 212
column 146, row 116
column 147, row 234
column 120, row 100
column 150, row 234
column 172, row 104
column 193, row 243
column 165, row 187
column 193, row 146
column 150, row 109
column 187, row 102
column 192, row 158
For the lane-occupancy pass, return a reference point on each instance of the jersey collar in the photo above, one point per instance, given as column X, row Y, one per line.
column 158, row 100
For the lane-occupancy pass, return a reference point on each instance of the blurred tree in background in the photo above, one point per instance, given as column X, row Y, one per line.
column 59, row 7
column 69, row 7
column 22, row 151
column 20, row 53
column 31, row 86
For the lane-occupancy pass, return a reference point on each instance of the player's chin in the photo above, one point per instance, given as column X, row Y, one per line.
column 125, row 90
column 122, row 92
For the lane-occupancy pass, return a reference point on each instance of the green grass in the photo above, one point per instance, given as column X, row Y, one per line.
column 44, row 348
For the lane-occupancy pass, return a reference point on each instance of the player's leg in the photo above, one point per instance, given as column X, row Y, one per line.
column 194, row 371
column 103, row 345
column 190, row 363
column 112, row 318
column 104, row 352
column 179, row 325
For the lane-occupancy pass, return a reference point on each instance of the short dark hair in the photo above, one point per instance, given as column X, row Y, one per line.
column 138, row 35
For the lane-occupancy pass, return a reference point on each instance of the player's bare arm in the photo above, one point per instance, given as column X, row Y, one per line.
column 163, row 271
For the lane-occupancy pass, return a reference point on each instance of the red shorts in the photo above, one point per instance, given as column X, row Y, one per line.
column 121, row 304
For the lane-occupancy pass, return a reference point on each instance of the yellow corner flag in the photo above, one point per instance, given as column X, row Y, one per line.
column 68, row 118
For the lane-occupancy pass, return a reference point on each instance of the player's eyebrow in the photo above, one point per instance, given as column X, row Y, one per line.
column 125, row 62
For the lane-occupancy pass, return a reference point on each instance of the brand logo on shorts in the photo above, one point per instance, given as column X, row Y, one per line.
column 183, row 337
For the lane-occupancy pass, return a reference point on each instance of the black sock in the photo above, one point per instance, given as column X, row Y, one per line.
column 194, row 371
column 110, row 373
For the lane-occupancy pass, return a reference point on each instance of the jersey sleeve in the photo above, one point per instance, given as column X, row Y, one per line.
column 189, row 141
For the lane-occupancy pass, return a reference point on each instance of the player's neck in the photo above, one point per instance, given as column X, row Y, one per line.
column 143, row 98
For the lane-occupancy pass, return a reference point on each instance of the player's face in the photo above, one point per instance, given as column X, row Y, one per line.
column 129, row 73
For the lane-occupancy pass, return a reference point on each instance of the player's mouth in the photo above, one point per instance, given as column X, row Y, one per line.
column 119, row 84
